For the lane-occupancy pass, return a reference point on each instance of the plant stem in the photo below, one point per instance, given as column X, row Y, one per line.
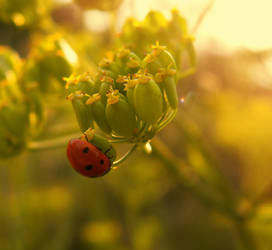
column 58, row 142
column 118, row 141
column 245, row 235
column 202, row 15
column 173, row 165
column 166, row 121
column 125, row 156
column 193, row 137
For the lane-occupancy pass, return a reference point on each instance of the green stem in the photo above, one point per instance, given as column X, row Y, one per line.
column 202, row 15
column 142, row 130
column 193, row 137
column 125, row 156
column 245, row 236
column 166, row 121
column 187, row 73
column 173, row 165
column 166, row 157
column 49, row 144
column 113, row 136
column 164, row 115
column 118, row 141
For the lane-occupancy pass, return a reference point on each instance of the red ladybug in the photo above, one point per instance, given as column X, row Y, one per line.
column 87, row 159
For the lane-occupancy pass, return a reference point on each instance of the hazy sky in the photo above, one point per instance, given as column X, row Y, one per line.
column 235, row 23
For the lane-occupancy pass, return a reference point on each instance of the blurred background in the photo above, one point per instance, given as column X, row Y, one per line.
column 207, row 183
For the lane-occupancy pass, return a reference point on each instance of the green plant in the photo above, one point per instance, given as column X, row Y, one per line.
column 130, row 99
column 131, row 96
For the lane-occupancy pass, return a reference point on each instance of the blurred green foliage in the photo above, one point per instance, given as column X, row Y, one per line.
column 138, row 35
column 207, row 184
column 23, row 13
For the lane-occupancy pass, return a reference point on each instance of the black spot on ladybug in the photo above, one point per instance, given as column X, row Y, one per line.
column 85, row 150
column 89, row 167
column 101, row 162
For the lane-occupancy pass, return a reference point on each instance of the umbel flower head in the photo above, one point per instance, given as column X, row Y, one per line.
column 129, row 100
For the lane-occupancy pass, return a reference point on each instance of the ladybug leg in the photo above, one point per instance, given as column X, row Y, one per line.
column 108, row 150
column 110, row 158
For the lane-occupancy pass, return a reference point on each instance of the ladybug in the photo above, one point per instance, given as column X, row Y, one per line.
column 87, row 159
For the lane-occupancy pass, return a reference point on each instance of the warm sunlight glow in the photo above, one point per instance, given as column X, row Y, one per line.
column 96, row 20
column 69, row 52
column 243, row 23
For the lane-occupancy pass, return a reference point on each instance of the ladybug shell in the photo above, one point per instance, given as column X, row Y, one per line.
column 87, row 159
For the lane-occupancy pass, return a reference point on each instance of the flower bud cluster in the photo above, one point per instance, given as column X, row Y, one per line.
column 23, row 13
column 130, row 98
column 23, row 87
column 138, row 35
column 14, row 120
column 48, row 62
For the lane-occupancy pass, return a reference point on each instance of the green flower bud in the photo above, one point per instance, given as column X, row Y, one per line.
column 159, row 78
column 166, row 59
column 103, row 76
column 106, row 84
column 121, row 82
column 171, row 91
column 9, row 67
column 133, row 63
column 82, row 83
column 33, row 73
column 129, row 88
column 49, row 62
column 151, row 63
column 14, row 128
column 128, row 62
column 121, row 58
column 148, row 100
column 83, row 113
column 122, row 53
column 98, row 110
column 159, row 58
column 35, row 108
column 120, row 114
column 166, row 79
column 102, row 143
column 10, row 63
column 55, row 57
column 10, row 90
column 104, row 89
column 110, row 64
column 14, row 118
column 105, row 72
column 55, row 65
column 9, row 144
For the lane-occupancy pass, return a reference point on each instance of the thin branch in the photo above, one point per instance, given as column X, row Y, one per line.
column 49, row 144
column 125, row 156
column 202, row 15
column 162, row 152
